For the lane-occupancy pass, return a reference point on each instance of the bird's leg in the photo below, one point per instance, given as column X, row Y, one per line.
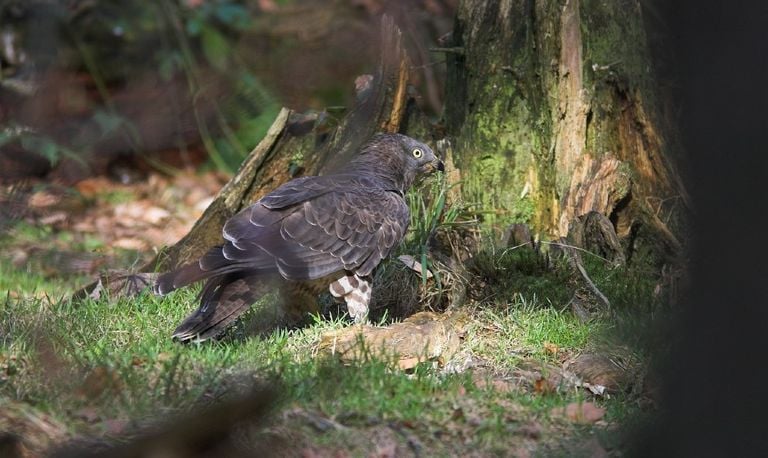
column 356, row 292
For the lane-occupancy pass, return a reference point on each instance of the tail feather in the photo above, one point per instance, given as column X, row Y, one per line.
column 183, row 276
column 213, row 263
column 223, row 299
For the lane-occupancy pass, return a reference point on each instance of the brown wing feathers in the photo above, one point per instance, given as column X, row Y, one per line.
column 304, row 230
column 307, row 241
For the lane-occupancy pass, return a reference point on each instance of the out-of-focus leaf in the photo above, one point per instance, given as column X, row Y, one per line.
column 194, row 25
column 6, row 137
column 215, row 48
column 42, row 146
column 108, row 122
column 169, row 62
column 232, row 14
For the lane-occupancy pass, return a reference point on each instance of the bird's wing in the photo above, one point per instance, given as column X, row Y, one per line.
column 351, row 227
column 272, row 208
column 299, row 190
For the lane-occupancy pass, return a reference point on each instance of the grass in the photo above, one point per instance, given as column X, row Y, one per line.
column 116, row 359
column 527, row 330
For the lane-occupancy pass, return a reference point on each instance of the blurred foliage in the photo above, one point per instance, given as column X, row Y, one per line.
column 177, row 44
column 195, row 78
column 36, row 143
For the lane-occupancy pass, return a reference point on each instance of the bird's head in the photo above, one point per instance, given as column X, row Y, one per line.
column 400, row 157
column 418, row 155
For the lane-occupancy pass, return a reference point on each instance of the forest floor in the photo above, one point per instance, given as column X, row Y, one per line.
column 528, row 377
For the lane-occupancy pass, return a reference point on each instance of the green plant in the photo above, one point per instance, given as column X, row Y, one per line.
column 37, row 143
column 192, row 45
column 429, row 212
column 212, row 28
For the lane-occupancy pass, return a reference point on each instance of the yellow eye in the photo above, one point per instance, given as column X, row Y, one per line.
column 417, row 153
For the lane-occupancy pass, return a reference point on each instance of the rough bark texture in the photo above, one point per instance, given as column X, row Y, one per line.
column 552, row 110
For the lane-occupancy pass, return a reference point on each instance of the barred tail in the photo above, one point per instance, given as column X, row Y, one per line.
column 223, row 299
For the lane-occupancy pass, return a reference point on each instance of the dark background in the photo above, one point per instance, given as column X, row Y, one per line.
column 714, row 396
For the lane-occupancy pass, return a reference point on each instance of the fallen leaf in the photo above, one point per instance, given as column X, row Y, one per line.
column 597, row 390
column 414, row 265
column 141, row 210
column 580, row 412
column 543, row 386
column 42, row 199
column 130, row 244
column 551, row 349
column 92, row 187
column 268, row 6
column 54, row 218
column 408, row 363
column 155, row 215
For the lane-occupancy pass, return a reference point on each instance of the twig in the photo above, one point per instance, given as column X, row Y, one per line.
column 591, row 285
column 431, row 64
column 574, row 258
column 454, row 50
column 563, row 245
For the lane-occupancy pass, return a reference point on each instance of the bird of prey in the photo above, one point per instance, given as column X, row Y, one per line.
column 329, row 230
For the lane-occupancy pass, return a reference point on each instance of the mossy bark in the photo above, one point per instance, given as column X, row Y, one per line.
column 552, row 111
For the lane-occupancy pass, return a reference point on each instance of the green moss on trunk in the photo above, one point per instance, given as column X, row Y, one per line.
column 500, row 110
column 543, row 99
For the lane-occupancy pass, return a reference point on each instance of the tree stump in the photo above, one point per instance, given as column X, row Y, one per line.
column 553, row 111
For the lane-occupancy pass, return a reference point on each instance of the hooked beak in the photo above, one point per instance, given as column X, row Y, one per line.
column 437, row 164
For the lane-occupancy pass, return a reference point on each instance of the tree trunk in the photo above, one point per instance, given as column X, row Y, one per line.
column 553, row 112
